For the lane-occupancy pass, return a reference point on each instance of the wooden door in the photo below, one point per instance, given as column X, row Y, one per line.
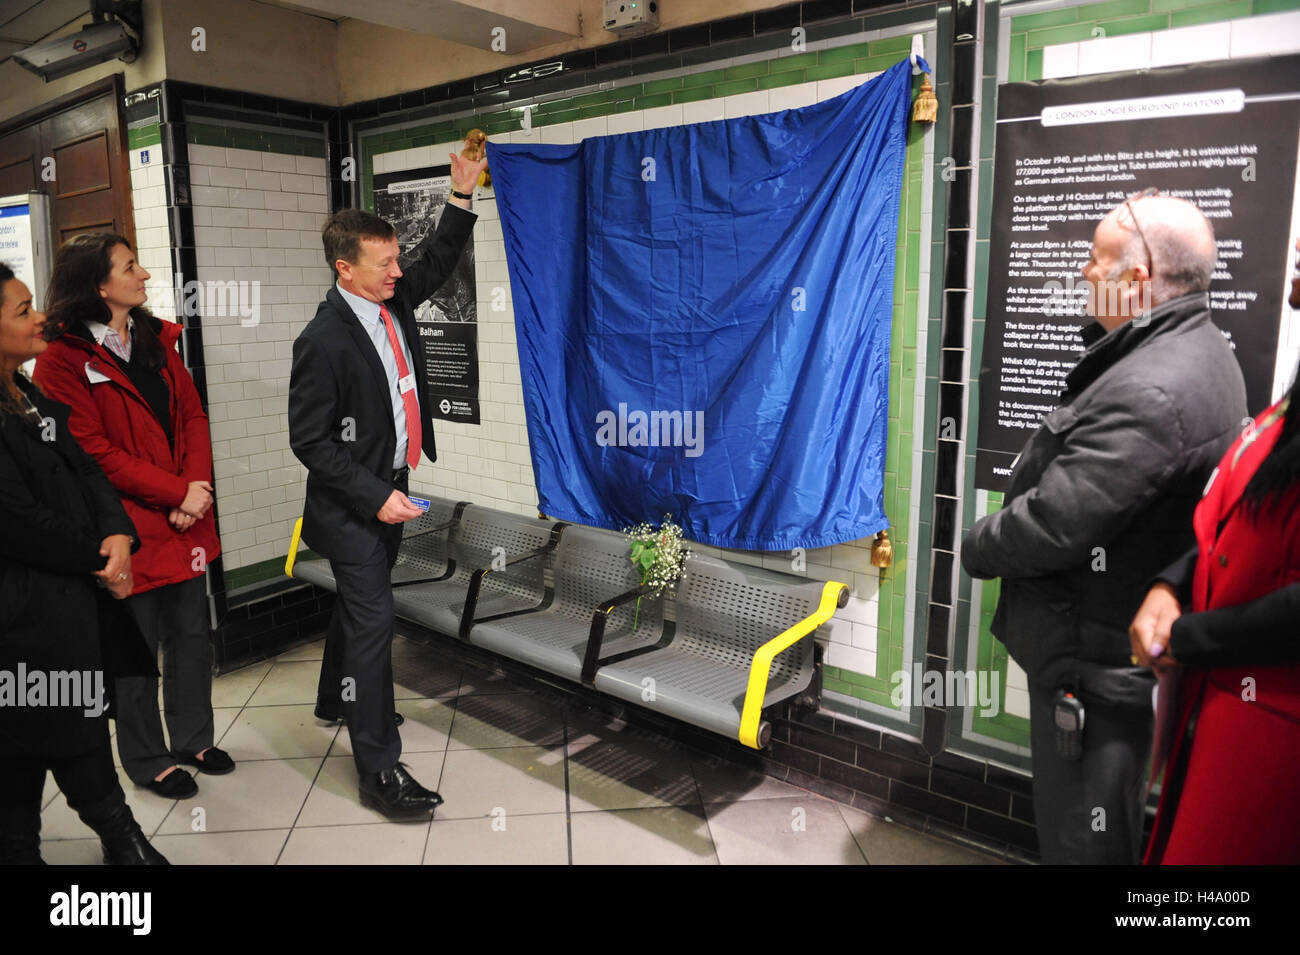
column 74, row 151
column 20, row 159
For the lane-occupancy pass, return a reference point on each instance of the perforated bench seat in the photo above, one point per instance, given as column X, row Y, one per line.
column 479, row 537
column 744, row 641
column 591, row 567
column 422, row 555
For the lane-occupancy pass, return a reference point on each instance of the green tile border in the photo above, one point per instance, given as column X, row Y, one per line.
column 266, row 141
column 1210, row 14
column 1147, row 24
column 263, row 570
column 779, row 70
column 1118, row 8
column 876, row 688
column 139, row 137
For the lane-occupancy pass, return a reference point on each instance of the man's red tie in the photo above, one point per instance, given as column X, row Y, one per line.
column 409, row 401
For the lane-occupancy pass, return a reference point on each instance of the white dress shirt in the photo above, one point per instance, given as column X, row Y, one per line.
column 119, row 346
column 368, row 313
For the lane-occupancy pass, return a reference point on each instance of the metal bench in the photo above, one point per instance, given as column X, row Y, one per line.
column 742, row 639
column 593, row 576
column 481, row 539
column 743, row 642
column 422, row 556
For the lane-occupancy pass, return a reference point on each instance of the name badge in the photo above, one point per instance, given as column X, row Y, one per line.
column 406, row 384
column 95, row 377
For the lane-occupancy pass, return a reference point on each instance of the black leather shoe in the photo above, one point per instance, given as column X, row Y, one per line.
column 215, row 762
column 395, row 794
column 334, row 714
column 123, row 840
column 178, row 784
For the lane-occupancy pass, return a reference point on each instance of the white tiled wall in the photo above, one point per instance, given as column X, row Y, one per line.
column 490, row 464
column 152, row 234
column 1268, row 35
column 257, row 218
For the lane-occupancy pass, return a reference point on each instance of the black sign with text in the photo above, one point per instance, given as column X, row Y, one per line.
column 1067, row 152
column 412, row 200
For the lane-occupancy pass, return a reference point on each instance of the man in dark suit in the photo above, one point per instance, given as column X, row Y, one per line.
column 358, row 423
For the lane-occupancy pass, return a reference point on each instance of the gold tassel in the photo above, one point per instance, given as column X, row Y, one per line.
column 882, row 551
column 926, row 108
column 475, row 149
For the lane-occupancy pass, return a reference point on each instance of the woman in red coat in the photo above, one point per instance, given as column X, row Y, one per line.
column 136, row 411
column 1232, row 777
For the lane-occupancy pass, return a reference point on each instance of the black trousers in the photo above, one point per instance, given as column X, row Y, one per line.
column 1089, row 811
column 174, row 617
column 357, row 669
column 85, row 779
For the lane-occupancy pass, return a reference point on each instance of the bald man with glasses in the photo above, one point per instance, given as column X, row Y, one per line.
column 1100, row 501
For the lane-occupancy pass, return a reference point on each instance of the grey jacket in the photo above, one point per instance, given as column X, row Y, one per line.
column 1101, row 498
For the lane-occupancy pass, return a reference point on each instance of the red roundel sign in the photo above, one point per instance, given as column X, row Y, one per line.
column 79, row 46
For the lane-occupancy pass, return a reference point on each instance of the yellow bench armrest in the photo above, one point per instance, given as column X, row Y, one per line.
column 293, row 548
column 834, row 595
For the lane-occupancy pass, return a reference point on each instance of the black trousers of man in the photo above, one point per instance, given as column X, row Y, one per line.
column 359, row 648
column 1089, row 811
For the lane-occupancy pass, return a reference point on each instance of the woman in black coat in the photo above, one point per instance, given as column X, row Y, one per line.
column 66, row 544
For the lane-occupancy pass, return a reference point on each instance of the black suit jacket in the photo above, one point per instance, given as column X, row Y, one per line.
column 340, row 412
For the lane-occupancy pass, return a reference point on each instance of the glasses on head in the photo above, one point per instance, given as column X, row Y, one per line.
column 1128, row 204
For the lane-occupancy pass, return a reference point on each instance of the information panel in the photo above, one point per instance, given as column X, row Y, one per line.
column 1068, row 151
column 412, row 200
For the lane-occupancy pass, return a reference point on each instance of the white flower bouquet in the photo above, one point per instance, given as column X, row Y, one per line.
column 659, row 554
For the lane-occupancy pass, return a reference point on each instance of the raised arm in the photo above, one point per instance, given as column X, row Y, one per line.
column 435, row 257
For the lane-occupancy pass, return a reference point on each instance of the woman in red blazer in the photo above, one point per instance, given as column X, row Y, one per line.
column 1232, row 776
column 136, row 411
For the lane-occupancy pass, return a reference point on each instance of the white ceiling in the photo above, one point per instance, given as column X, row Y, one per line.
column 528, row 24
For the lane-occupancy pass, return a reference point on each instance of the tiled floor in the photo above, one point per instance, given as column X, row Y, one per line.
column 525, row 781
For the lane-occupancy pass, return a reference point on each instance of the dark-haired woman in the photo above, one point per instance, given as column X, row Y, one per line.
column 1232, row 777
column 64, row 535
column 136, row 411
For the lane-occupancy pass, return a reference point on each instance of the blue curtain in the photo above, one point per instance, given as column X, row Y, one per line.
column 703, row 317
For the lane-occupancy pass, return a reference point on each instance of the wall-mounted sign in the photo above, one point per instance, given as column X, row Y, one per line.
column 1068, row 151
